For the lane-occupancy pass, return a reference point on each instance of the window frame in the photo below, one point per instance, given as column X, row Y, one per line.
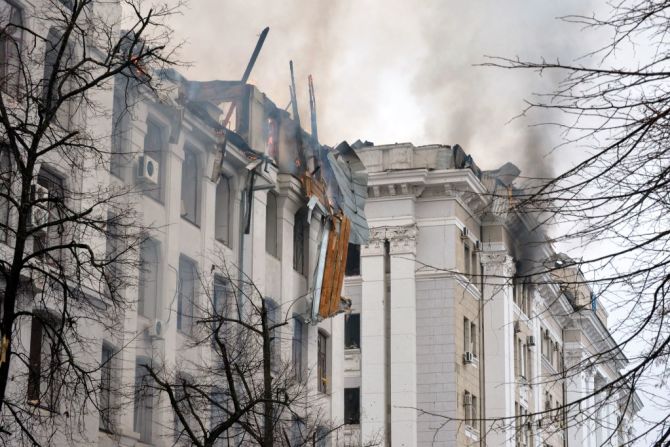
column 6, row 189
column 107, row 376
column 271, row 224
column 11, row 46
column 185, row 322
column 147, row 306
column 223, row 212
column 157, row 192
column 297, row 343
column 45, row 239
column 353, row 265
column 352, row 416
column 42, row 331
column 143, row 401
column 322, row 362
column 350, row 326
column 190, row 177
column 301, row 241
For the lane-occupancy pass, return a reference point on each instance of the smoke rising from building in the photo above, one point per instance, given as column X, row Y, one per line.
column 396, row 71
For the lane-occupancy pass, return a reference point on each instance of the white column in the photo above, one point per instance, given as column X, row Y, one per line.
column 372, row 339
column 403, row 335
column 499, row 348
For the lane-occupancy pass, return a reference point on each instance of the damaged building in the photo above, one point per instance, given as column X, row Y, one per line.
column 459, row 334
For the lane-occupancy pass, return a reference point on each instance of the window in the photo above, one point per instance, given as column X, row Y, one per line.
column 322, row 359
column 352, row 331
column 186, row 296
column 298, row 334
column 466, row 259
column 300, row 241
column 113, row 251
column 271, row 224
column 5, row 190
column 470, row 409
column 186, row 407
column 11, row 21
column 147, row 304
column 218, row 415
column 106, row 392
column 144, row 401
column 190, row 187
column 352, row 406
column 119, row 158
column 153, row 147
column 49, row 202
column 220, row 308
column 223, row 208
column 273, row 313
column 58, row 79
column 44, row 368
column 469, row 336
column 353, row 267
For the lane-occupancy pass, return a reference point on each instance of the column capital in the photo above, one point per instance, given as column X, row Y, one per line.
column 402, row 239
column 497, row 262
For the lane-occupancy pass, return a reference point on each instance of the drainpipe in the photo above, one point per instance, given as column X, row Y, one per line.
column 482, row 355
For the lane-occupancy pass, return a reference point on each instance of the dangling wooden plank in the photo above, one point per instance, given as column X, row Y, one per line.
column 341, row 263
column 329, row 272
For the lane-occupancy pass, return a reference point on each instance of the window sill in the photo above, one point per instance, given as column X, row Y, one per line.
column 471, row 432
column 195, row 224
column 474, row 363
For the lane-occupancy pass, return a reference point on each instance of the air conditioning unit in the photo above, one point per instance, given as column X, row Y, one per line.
column 147, row 169
column 530, row 340
column 468, row 357
column 467, row 400
column 517, row 327
column 157, row 329
column 465, row 233
column 39, row 212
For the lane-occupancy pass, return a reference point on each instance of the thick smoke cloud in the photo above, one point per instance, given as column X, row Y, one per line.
column 391, row 71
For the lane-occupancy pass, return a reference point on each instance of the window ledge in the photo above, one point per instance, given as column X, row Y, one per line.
column 472, row 432
column 195, row 224
column 474, row 363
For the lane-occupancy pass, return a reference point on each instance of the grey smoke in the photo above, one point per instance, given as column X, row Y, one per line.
column 391, row 71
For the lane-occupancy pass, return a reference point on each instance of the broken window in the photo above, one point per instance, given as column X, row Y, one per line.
column 154, row 148
column 352, row 331
column 44, row 368
column 223, row 211
column 186, row 296
column 353, row 260
column 300, row 241
column 190, row 187
column 271, row 224
column 147, row 302
column 322, row 359
column 11, row 33
column 352, row 406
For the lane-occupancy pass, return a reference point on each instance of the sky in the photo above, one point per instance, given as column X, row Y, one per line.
column 393, row 70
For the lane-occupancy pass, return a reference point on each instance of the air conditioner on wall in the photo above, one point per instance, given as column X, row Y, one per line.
column 468, row 357
column 530, row 340
column 147, row 169
column 157, row 329
column 465, row 233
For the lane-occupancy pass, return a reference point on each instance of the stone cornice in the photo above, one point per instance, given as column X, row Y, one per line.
column 402, row 239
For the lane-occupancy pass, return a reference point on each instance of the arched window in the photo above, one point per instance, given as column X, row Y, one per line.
column 223, row 208
column 11, row 23
column 190, row 179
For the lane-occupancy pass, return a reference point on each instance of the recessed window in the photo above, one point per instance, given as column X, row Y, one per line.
column 352, row 406
column 6, row 173
column 186, row 295
column 271, row 225
column 297, row 343
column 48, row 204
column 322, row 359
column 352, row 331
column 147, row 304
column 11, row 32
column 353, row 267
column 190, row 186
column 273, row 319
column 154, row 148
column 106, row 388
column 58, row 79
column 300, row 241
column 44, row 369
column 470, row 409
column 469, row 337
column 143, row 401
column 119, row 158
column 223, row 211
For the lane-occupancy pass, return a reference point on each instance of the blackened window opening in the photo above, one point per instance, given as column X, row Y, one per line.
column 352, row 405
column 352, row 331
column 353, row 260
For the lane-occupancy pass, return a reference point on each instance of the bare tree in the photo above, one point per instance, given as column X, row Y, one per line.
column 66, row 232
column 614, row 103
column 239, row 389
